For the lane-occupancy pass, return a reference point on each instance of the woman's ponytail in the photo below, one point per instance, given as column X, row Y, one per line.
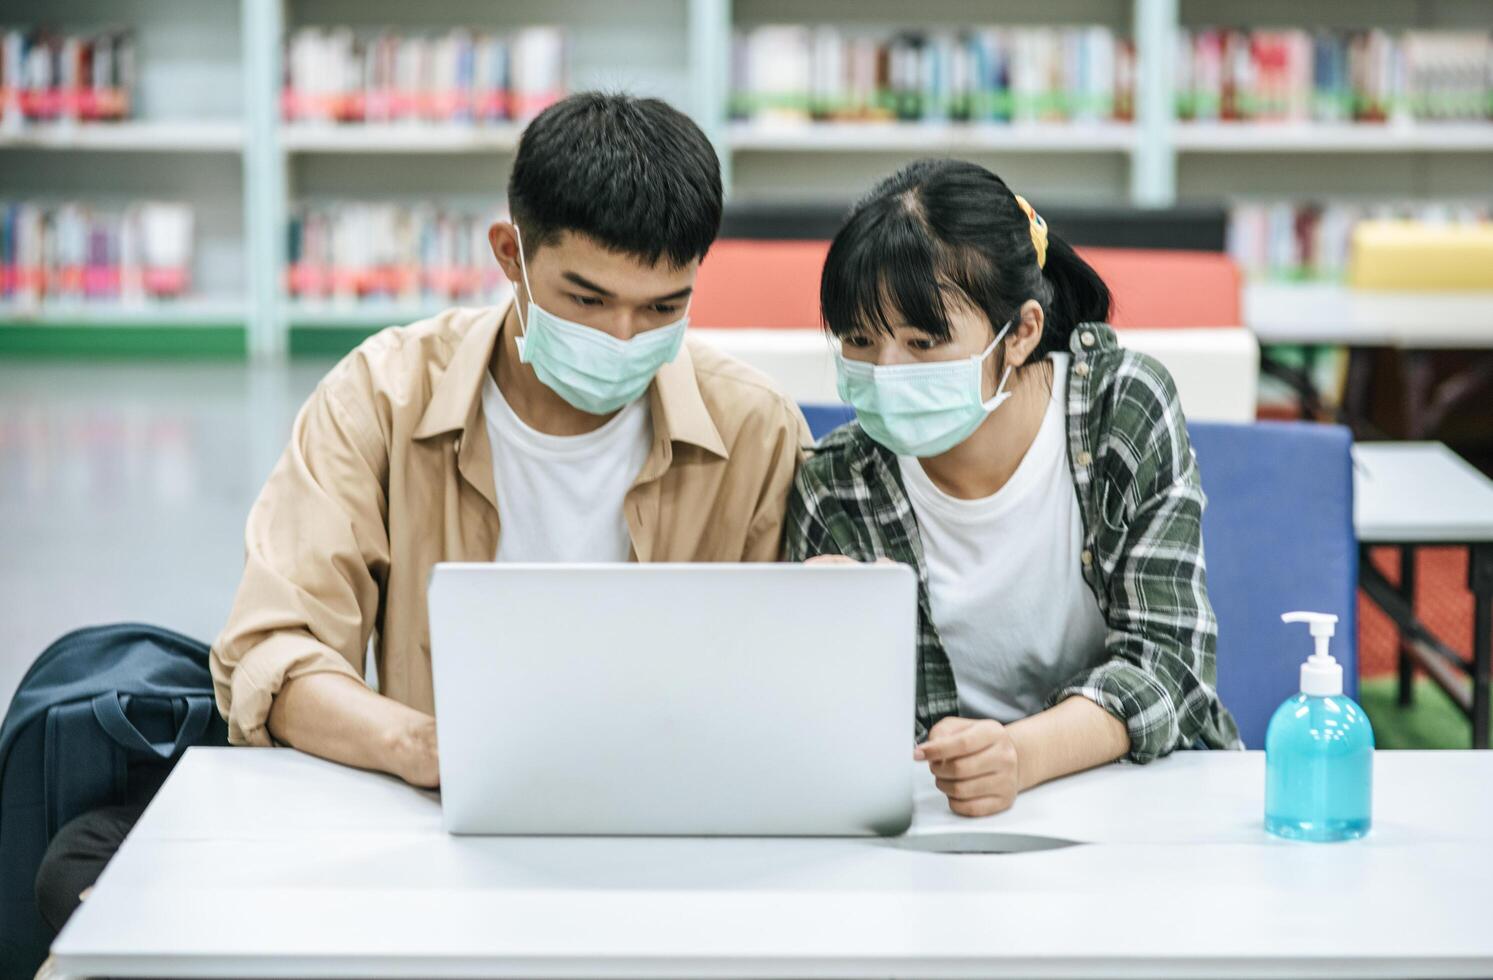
column 1078, row 295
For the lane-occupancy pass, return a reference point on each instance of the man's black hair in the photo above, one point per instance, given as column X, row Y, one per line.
column 636, row 175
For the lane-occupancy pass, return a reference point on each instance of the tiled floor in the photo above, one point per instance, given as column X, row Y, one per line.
column 123, row 492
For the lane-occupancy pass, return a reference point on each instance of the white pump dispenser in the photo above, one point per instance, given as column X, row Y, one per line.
column 1321, row 675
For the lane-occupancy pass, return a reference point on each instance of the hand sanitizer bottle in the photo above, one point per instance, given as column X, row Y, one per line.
column 1319, row 752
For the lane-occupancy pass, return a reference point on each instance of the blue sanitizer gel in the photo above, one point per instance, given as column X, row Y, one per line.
column 1319, row 752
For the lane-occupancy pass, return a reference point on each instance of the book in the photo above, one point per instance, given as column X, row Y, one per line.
column 348, row 252
column 1303, row 241
column 826, row 73
column 78, row 252
column 1333, row 76
column 460, row 76
column 47, row 76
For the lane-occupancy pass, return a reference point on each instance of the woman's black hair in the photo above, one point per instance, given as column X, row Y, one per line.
column 938, row 231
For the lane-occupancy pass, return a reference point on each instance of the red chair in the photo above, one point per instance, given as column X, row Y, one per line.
column 756, row 283
column 1169, row 288
column 775, row 284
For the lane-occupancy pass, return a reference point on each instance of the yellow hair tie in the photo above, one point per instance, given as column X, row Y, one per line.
column 1039, row 230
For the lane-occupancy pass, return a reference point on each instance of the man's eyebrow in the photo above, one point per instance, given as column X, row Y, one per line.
column 585, row 283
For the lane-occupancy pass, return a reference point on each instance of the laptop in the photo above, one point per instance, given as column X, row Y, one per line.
column 709, row 699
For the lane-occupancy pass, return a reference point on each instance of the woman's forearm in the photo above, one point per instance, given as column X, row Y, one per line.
column 1071, row 736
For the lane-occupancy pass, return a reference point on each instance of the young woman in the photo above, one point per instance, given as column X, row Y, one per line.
column 1037, row 476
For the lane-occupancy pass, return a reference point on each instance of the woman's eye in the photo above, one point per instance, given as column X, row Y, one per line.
column 922, row 344
column 664, row 308
column 858, row 341
column 586, row 300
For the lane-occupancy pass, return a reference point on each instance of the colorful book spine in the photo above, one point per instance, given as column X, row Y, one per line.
column 827, row 73
column 459, row 77
column 351, row 252
column 1333, row 76
column 51, row 77
column 1302, row 241
column 75, row 252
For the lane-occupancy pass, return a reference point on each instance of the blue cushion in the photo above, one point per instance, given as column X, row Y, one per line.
column 823, row 419
column 1278, row 535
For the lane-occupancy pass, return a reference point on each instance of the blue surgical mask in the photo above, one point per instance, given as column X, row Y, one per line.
column 921, row 409
column 589, row 368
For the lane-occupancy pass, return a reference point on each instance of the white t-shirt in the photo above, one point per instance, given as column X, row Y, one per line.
column 560, row 497
column 1005, row 582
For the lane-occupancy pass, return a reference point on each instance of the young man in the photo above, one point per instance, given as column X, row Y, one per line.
column 574, row 424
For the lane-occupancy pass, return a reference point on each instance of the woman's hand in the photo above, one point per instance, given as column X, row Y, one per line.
column 974, row 764
column 842, row 560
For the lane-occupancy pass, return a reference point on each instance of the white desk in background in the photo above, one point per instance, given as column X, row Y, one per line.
column 266, row 862
column 1330, row 313
column 1417, row 324
column 1407, row 494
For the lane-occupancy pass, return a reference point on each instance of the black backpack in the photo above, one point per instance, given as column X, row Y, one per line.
column 99, row 719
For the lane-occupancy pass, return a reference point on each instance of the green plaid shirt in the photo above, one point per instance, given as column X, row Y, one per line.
column 1142, row 507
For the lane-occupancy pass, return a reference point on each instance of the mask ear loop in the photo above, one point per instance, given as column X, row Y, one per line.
column 528, row 290
column 1001, row 394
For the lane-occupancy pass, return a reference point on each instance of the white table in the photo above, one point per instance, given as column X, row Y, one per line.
column 1421, row 493
column 1415, row 323
column 267, row 862
column 1330, row 313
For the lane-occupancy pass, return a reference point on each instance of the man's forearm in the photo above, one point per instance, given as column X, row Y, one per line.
column 338, row 718
column 1071, row 736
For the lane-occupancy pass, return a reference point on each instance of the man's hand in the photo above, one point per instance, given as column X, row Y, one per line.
column 974, row 764
column 416, row 760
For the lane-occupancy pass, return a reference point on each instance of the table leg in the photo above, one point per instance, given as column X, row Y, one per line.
column 1480, row 581
column 1355, row 407
column 1419, row 373
column 1310, row 405
column 1309, row 401
column 1406, row 662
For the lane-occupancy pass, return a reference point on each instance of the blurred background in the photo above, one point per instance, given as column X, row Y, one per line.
column 204, row 202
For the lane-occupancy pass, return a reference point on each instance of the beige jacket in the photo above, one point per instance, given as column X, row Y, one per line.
column 389, row 471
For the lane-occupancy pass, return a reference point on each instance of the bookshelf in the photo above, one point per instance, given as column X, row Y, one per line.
column 208, row 129
column 931, row 138
column 1334, row 138
column 396, row 138
column 140, row 136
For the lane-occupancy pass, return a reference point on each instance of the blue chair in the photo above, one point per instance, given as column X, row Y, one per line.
column 1278, row 534
column 824, row 419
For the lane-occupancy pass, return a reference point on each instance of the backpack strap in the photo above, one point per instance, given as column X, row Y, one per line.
column 111, row 718
column 88, row 748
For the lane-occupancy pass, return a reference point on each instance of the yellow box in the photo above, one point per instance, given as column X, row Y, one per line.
column 1413, row 255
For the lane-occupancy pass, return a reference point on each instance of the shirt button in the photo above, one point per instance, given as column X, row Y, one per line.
column 1087, row 557
column 1084, row 459
column 1087, row 338
column 1082, row 370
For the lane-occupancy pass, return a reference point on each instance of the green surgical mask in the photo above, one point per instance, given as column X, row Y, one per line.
column 921, row 409
column 589, row 368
